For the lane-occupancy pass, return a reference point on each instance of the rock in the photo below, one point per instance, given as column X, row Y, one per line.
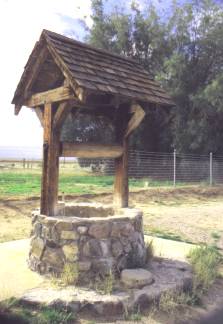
column 84, row 265
column 37, row 229
column 102, row 267
column 127, row 230
column 127, row 248
column 64, row 226
column 105, row 247
column 119, row 229
column 69, row 235
column 116, row 229
column 139, row 224
column 117, row 249
column 92, row 248
column 37, row 247
column 53, row 257
column 99, row 230
column 122, row 263
column 46, row 232
column 82, row 229
column 124, row 240
column 70, row 251
column 136, row 278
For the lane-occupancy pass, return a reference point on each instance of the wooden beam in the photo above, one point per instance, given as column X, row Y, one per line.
column 35, row 70
column 61, row 114
column 49, row 190
column 54, row 95
column 121, row 185
column 79, row 91
column 81, row 94
column 17, row 109
column 90, row 150
column 138, row 115
column 39, row 113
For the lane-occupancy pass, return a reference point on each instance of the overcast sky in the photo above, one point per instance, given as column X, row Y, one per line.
column 21, row 22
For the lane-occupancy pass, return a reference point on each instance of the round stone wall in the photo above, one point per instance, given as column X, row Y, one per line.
column 95, row 237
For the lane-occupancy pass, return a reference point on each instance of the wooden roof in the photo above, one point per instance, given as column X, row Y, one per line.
column 91, row 69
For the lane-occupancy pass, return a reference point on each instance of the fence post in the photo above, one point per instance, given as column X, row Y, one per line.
column 211, row 169
column 174, row 167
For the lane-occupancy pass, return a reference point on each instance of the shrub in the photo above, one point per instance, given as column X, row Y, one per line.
column 205, row 261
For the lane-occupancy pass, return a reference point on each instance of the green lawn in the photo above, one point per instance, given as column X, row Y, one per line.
column 20, row 182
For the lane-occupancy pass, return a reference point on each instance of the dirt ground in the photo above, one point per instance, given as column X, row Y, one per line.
column 192, row 214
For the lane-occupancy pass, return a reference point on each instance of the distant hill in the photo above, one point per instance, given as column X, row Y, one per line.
column 20, row 152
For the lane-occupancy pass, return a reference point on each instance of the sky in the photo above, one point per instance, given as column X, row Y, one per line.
column 21, row 23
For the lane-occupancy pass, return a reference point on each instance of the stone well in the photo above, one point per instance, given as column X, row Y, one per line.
column 93, row 236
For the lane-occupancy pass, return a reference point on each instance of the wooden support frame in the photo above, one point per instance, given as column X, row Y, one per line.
column 35, row 70
column 90, row 150
column 50, row 173
column 121, row 186
column 39, row 113
column 138, row 115
column 124, row 129
column 54, row 95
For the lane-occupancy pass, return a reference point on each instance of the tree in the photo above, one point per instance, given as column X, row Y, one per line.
column 183, row 51
column 192, row 74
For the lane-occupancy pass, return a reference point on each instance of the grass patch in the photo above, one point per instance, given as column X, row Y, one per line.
column 149, row 251
column 70, row 274
column 12, row 311
column 27, row 182
column 205, row 261
column 105, row 285
column 170, row 302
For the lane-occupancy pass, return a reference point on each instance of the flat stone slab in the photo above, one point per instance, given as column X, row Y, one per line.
column 136, row 278
column 168, row 276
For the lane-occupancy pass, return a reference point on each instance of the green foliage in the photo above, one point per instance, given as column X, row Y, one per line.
column 12, row 311
column 184, row 51
column 205, row 261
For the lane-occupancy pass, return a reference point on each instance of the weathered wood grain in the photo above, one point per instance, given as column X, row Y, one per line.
column 39, row 113
column 35, row 70
column 90, row 150
column 138, row 115
column 54, row 95
column 50, row 172
column 121, row 184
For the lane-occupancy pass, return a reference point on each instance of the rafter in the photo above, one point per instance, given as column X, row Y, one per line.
column 35, row 70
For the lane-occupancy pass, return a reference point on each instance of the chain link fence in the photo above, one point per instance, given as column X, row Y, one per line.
column 172, row 168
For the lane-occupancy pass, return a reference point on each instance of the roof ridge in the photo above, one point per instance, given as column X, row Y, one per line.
column 100, row 50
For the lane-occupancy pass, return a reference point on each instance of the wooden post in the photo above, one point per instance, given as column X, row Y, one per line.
column 50, row 173
column 121, row 183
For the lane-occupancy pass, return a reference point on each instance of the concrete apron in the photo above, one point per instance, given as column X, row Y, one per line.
column 16, row 278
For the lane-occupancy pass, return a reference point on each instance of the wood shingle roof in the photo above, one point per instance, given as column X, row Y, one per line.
column 98, row 70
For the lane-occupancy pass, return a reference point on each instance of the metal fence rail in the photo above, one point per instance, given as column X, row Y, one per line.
column 151, row 166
